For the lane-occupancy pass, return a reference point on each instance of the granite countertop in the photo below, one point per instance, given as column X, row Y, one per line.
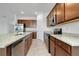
column 71, row 39
column 8, row 39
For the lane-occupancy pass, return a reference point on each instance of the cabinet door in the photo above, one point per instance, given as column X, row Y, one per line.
column 29, row 41
column 34, row 35
column 71, row 11
column 60, row 12
column 60, row 51
column 26, row 48
column 9, row 50
column 52, row 47
column 19, row 21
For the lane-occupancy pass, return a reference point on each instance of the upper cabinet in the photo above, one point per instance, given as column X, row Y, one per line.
column 64, row 12
column 71, row 11
column 28, row 23
column 60, row 12
column 50, row 17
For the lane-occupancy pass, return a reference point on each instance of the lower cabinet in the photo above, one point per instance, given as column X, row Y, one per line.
column 26, row 48
column 22, row 48
column 9, row 50
column 18, row 48
column 60, row 51
column 34, row 35
column 27, row 43
column 59, row 48
column 52, row 46
column 6, row 51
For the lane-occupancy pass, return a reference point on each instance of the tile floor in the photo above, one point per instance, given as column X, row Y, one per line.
column 38, row 48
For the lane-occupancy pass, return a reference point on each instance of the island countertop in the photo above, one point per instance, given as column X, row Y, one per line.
column 8, row 39
column 71, row 39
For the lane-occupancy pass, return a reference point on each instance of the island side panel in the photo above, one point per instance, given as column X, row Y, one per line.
column 2, row 51
column 75, row 50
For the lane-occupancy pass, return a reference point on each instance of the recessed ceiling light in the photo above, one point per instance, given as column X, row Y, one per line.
column 36, row 13
column 22, row 12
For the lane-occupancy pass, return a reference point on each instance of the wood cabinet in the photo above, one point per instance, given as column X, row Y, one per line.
column 27, row 43
column 18, row 48
column 60, row 51
column 28, row 22
column 71, row 11
column 64, row 12
column 6, row 51
column 60, row 13
column 59, row 48
column 52, row 46
column 34, row 35
column 9, row 50
column 26, row 47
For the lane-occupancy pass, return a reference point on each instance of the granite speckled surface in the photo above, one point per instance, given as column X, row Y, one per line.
column 7, row 39
column 71, row 39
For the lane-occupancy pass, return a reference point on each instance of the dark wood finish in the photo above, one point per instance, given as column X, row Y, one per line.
column 64, row 12
column 60, row 12
column 71, row 11
column 60, row 51
column 59, row 48
column 9, row 51
column 28, row 22
column 28, row 43
column 52, row 45
column 65, row 46
column 34, row 35
column 26, row 48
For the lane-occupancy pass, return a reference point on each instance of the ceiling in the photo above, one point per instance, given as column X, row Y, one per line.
column 29, row 9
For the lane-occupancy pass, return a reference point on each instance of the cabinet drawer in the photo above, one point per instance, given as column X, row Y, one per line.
column 65, row 46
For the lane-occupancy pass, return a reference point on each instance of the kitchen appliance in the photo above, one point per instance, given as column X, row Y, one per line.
column 47, row 41
column 58, row 31
column 53, row 21
column 19, row 28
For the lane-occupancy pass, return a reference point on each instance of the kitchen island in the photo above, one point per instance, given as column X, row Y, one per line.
column 15, row 45
column 65, row 44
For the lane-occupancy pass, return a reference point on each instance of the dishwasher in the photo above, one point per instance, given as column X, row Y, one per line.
column 17, row 48
column 47, row 41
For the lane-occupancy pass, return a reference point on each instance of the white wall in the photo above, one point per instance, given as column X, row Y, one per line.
column 3, row 26
column 68, row 28
column 71, row 27
column 41, row 26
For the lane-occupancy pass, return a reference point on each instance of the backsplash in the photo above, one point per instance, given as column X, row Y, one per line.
column 68, row 28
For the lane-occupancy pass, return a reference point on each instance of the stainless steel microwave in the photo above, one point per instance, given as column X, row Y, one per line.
column 53, row 21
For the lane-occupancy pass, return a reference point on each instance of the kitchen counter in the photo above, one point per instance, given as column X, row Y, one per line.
column 8, row 39
column 71, row 39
